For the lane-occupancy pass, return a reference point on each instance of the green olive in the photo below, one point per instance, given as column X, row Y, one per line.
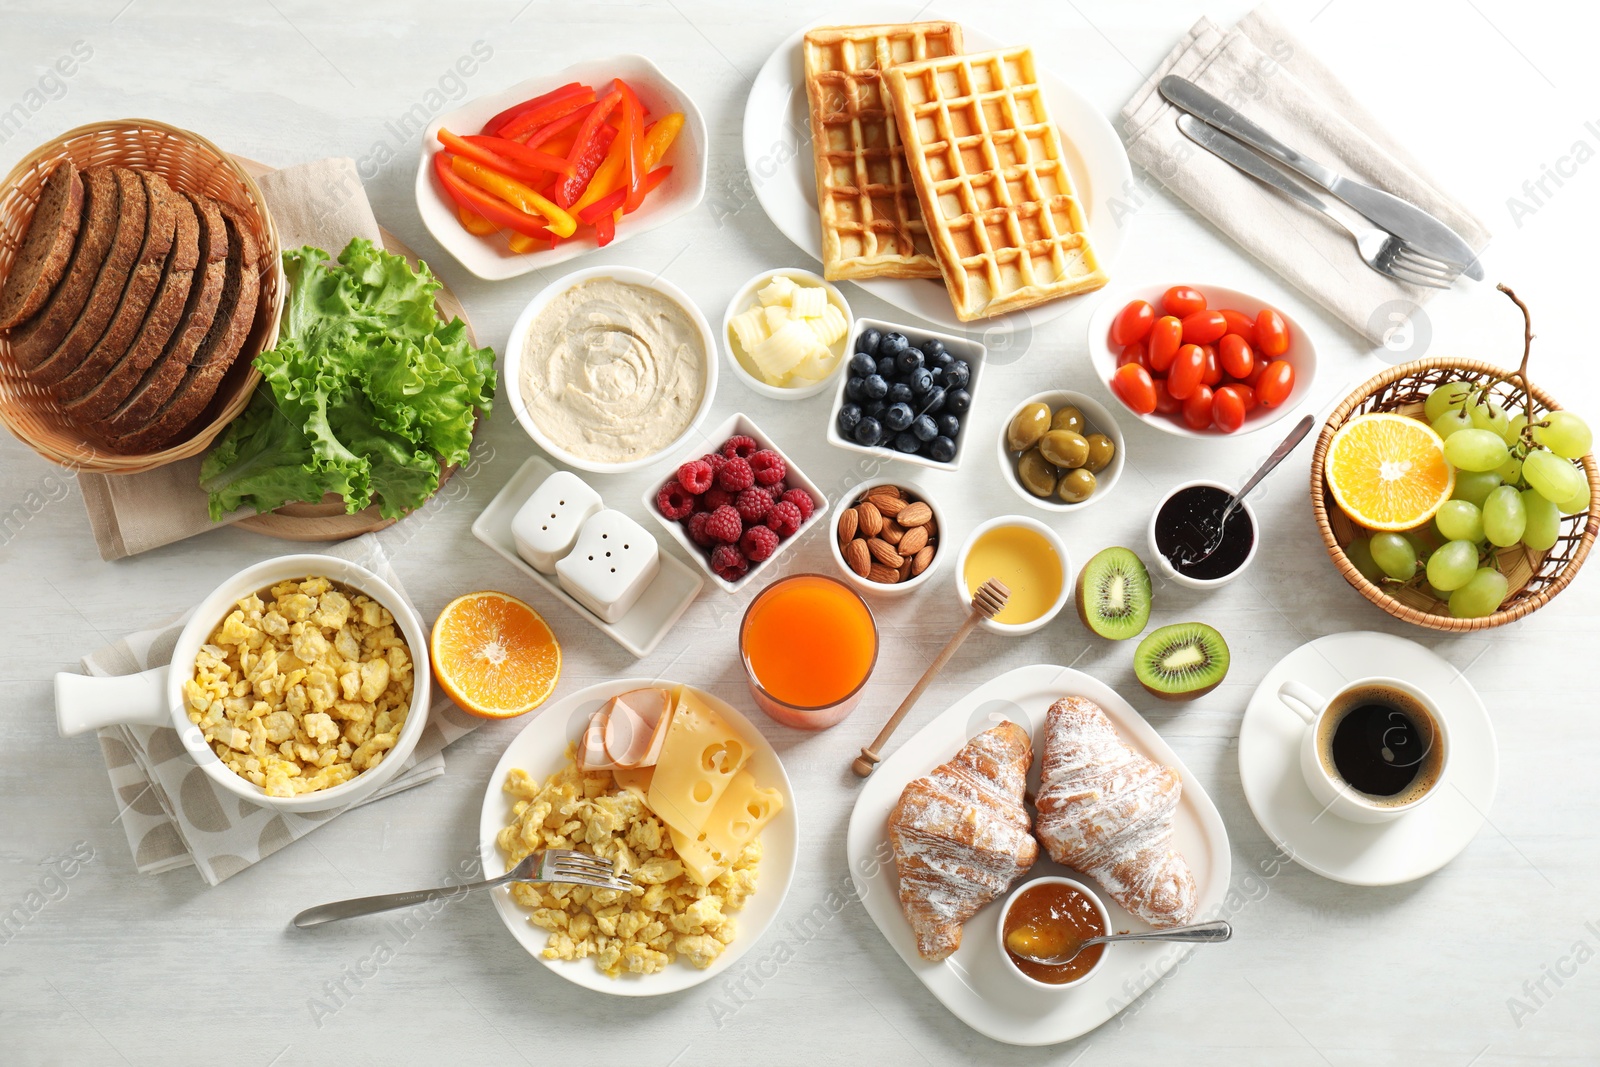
column 1077, row 486
column 1068, row 418
column 1101, row 452
column 1027, row 426
column 1036, row 473
column 1064, row 448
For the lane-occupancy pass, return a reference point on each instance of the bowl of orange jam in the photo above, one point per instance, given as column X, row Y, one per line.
column 1047, row 917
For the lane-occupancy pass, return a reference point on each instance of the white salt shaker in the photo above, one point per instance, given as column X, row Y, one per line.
column 611, row 565
column 547, row 526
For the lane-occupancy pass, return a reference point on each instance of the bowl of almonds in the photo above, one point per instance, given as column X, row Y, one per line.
column 887, row 537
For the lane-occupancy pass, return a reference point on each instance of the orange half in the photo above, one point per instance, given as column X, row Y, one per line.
column 1388, row 472
column 494, row 655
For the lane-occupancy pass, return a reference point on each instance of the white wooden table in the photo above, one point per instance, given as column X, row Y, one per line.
column 124, row 968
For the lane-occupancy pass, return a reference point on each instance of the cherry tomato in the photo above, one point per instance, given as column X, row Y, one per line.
column 1272, row 334
column 1132, row 323
column 1181, row 300
column 1135, row 388
column 1240, row 324
column 1237, row 359
column 1135, row 353
column 1275, row 383
column 1213, row 371
column 1227, row 409
column 1188, row 368
column 1247, row 395
column 1203, row 327
column 1197, row 408
column 1255, row 373
column 1165, row 338
column 1166, row 403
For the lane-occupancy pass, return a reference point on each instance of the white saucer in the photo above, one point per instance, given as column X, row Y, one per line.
column 1403, row 849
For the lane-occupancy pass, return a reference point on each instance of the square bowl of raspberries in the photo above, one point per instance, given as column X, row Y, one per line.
column 734, row 509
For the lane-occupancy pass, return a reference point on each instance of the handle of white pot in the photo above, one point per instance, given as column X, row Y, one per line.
column 86, row 703
column 1301, row 699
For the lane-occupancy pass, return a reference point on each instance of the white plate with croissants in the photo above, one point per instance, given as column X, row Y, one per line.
column 1040, row 771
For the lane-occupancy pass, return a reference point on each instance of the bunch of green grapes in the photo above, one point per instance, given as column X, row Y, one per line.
column 1514, row 482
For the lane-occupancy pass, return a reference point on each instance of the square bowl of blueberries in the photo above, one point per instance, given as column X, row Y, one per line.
column 906, row 394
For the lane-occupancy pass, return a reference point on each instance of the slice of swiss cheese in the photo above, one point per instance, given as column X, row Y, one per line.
column 701, row 755
column 738, row 817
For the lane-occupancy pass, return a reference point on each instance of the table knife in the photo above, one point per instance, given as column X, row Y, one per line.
column 1400, row 217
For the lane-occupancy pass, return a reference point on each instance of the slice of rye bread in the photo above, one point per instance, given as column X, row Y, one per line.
column 91, row 408
column 230, row 328
column 165, row 374
column 37, row 339
column 69, row 380
column 46, row 247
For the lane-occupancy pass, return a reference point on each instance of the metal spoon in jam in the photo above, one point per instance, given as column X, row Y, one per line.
column 1057, row 946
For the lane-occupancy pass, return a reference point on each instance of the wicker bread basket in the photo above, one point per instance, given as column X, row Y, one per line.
column 188, row 162
column 1534, row 577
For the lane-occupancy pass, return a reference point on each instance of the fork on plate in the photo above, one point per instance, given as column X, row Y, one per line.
column 548, row 865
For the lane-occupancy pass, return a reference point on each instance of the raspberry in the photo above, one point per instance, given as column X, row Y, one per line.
column 784, row 518
column 715, row 498
column 768, row 467
column 735, row 475
column 674, row 501
column 802, row 500
column 728, row 563
column 725, row 525
column 753, row 504
column 695, row 476
column 758, row 543
column 776, row 490
column 716, row 459
column 697, row 529
column 739, row 445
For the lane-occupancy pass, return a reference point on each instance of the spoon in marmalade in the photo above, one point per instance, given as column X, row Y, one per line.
column 1020, row 941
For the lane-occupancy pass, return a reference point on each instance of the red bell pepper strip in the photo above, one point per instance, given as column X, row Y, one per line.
column 569, row 89
column 517, row 153
column 535, row 138
column 633, row 130
column 532, row 120
column 605, row 230
column 496, row 211
column 608, row 204
column 493, row 160
column 591, row 125
column 570, row 188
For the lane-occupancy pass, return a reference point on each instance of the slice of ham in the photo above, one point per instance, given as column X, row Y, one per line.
column 591, row 747
column 636, row 727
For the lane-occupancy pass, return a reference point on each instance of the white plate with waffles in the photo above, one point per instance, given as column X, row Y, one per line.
column 778, row 159
column 975, row 983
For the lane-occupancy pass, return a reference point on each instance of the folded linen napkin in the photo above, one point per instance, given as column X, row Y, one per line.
column 174, row 815
column 321, row 204
column 1268, row 75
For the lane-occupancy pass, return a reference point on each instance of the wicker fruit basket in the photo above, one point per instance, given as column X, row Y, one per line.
column 1534, row 577
column 188, row 162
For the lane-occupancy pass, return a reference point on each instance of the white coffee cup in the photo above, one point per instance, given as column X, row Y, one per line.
column 1323, row 718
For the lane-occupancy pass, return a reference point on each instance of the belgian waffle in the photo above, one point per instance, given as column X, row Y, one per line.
column 1005, row 221
column 871, row 221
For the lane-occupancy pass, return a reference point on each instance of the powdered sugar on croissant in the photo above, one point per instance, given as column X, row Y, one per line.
column 960, row 836
column 1106, row 810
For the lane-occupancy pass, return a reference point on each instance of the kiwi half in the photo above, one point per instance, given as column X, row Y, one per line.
column 1113, row 594
column 1182, row 661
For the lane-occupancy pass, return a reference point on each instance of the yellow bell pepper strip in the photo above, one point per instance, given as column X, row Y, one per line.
column 521, row 243
column 516, row 194
column 516, row 110
column 532, row 120
column 633, row 132
column 493, row 160
column 659, row 137
column 517, row 153
column 475, row 223
column 496, row 211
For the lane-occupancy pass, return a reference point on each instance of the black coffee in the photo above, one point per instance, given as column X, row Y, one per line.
column 1384, row 744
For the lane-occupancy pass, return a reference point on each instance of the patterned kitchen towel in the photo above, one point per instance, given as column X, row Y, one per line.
column 175, row 816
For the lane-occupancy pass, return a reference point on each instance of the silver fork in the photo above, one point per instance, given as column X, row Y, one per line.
column 549, row 865
column 1379, row 249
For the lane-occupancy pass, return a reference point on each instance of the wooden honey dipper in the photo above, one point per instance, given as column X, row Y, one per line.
column 987, row 602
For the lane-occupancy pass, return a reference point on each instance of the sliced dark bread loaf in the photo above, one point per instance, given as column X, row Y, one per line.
column 37, row 339
column 165, row 374
column 230, row 328
column 132, row 210
column 132, row 303
column 166, row 310
column 46, row 247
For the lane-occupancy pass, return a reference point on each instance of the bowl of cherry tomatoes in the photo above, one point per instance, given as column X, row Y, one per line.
column 1201, row 361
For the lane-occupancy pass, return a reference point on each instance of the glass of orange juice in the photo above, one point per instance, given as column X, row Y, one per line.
column 808, row 643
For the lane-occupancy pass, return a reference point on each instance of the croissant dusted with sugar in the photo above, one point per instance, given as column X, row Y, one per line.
column 1106, row 810
column 960, row 836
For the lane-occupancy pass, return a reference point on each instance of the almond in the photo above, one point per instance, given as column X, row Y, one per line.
column 883, row 575
column 889, row 506
column 914, row 515
column 884, row 552
column 920, row 561
column 857, row 557
column 848, row 521
column 892, row 532
column 869, row 519
column 912, row 541
column 905, row 569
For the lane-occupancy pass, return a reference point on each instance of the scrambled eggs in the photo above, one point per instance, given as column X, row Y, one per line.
column 303, row 692
column 667, row 915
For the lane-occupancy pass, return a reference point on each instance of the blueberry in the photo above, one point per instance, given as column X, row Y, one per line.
column 925, row 428
column 899, row 393
column 867, row 341
column 874, row 409
column 869, row 432
column 933, row 348
column 958, row 401
column 861, row 365
column 898, row 417
column 942, row 449
column 920, row 380
column 849, row 419
column 874, row 387
column 852, row 389
column 908, row 360
column 957, row 375
column 938, row 375
column 892, row 345
column 906, row 442
column 886, row 366
column 934, row 400
column 949, row 426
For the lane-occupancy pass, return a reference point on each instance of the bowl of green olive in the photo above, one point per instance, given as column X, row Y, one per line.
column 1061, row 451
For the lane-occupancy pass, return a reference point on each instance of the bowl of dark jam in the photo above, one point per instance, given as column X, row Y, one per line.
column 1184, row 527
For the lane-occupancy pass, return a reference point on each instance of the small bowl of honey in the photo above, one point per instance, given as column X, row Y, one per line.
column 1030, row 559
column 1047, row 917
